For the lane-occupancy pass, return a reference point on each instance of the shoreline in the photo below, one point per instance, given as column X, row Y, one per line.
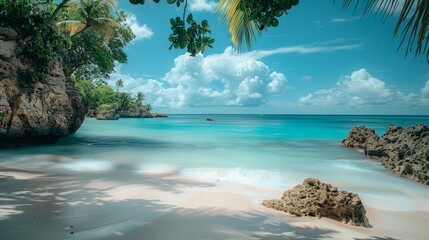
column 165, row 205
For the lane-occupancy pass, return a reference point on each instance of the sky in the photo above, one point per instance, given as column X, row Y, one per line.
column 319, row 60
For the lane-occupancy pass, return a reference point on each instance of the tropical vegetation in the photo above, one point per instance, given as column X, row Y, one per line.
column 86, row 36
column 100, row 97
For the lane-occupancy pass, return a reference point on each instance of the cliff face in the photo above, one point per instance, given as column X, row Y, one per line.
column 34, row 113
column 403, row 151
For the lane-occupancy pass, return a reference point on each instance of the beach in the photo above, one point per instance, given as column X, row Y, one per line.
column 184, row 178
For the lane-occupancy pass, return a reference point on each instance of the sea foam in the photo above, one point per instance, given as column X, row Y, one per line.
column 254, row 177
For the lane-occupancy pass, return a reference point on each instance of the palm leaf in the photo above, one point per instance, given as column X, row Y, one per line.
column 412, row 23
column 242, row 29
column 70, row 26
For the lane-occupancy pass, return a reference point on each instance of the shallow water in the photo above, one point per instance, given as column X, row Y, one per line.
column 275, row 151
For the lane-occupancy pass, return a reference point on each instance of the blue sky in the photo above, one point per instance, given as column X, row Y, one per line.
column 320, row 60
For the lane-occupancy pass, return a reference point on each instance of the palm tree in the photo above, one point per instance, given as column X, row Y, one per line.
column 148, row 107
column 119, row 84
column 139, row 98
column 413, row 13
column 86, row 14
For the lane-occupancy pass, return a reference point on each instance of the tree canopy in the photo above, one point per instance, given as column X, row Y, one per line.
column 86, row 36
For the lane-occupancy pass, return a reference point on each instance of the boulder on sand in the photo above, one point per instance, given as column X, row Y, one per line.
column 317, row 199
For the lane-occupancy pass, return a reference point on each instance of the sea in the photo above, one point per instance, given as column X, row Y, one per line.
column 273, row 151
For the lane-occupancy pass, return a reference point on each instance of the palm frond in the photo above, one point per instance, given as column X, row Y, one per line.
column 412, row 22
column 104, row 25
column 70, row 26
column 242, row 29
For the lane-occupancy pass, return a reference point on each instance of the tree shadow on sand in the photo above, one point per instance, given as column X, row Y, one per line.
column 59, row 206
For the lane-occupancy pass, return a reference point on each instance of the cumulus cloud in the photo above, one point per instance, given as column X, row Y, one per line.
column 202, row 5
column 357, row 89
column 225, row 79
column 141, row 31
column 425, row 91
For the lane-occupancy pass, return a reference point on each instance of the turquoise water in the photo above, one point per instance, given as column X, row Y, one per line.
column 276, row 151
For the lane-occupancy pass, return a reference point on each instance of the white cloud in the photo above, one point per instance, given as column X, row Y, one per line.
column 225, row 79
column 302, row 49
column 425, row 91
column 306, row 78
column 202, row 5
column 357, row 89
column 141, row 31
column 342, row 20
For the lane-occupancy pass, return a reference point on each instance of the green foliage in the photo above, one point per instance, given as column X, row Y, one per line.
column 266, row 13
column 86, row 36
column 186, row 33
column 246, row 18
column 193, row 38
column 102, row 97
column 119, row 84
column 40, row 40
column 139, row 98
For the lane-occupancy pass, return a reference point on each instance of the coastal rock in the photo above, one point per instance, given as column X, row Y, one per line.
column 159, row 115
column 403, row 151
column 135, row 113
column 109, row 115
column 92, row 113
column 317, row 199
column 34, row 112
column 131, row 113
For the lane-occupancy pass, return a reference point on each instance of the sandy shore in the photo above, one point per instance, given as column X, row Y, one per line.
column 48, row 204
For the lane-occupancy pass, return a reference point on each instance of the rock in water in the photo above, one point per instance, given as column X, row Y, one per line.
column 34, row 112
column 317, row 199
column 403, row 151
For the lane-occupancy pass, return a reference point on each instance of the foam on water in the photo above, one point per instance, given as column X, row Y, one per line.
column 157, row 168
column 254, row 177
column 89, row 165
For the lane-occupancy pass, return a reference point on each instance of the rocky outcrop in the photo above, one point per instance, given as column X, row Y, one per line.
column 34, row 112
column 159, row 115
column 135, row 113
column 317, row 199
column 403, row 151
column 109, row 115
column 131, row 113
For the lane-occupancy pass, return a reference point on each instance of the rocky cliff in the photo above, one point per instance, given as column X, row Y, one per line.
column 34, row 112
column 403, row 151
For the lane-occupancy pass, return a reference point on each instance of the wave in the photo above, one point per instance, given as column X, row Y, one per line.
column 254, row 177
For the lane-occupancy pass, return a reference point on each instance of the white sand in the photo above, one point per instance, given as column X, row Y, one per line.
column 36, row 204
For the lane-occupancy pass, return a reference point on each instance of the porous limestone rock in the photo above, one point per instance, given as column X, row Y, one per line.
column 34, row 112
column 317, row 199
column 403, row 151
